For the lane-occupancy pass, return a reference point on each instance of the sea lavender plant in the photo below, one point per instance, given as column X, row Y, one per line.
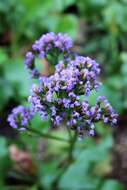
column 62, row 97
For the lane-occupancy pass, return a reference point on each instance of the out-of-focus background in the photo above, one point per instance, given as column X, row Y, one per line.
column 99, row 30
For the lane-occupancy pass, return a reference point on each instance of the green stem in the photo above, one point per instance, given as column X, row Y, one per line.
column 70, row 159
column 48, row 136
column 69, row 132
column 72, row 145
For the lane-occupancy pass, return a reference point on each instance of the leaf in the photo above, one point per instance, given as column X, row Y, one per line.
column 3, row 147
column 62, row 23
column 48, row 173
column 54, row 95
column 91, row 7
column 61, row 5
column 79, row 175
column 124, row 65
column 18, row 76
column 113, row 185
column 114, row 21
column 4, row 161
column 67, row 24
column 6, row 92
column 33, row 188
column 3, row 56
column 115, row 82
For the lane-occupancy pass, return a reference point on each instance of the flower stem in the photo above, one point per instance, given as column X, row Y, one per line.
column 48, row 136
column 72, row 145
column 69, row 160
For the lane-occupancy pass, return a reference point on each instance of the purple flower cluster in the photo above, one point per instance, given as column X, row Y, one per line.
column 20, row 117
column 50, row 41
column 85, row 71
column 48, row 46
column 58, row 97
column 109, row 116
column 62, row 97
column 30, row 65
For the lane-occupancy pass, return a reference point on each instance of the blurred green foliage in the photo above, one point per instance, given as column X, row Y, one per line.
column 4, row 161
column 105, row 40
column 99, row 28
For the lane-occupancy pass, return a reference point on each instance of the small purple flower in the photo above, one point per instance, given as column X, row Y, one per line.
column 77, row 103
column 29, row 59
column 76, row 114
column 72, row 95
column 66, row 102
column 98, row 117
column 71, row 122
column 49, row 96
column 92, row 132
column 101, row 99
column 105, row 120
column 60, row 66
column 53, row 111
column 92, row 126
column 56, row 120
column 41, row 55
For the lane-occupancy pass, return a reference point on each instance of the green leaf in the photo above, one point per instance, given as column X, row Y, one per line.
column 115, row 82
column 62, row 23
column 61, row 5
column 67, row 24
column 48, row 173
column 113, row 185
column 3, row 147
column 79, row 175
column 54, row 95
column 124, row 65
column 3, row 56
column 6, row 92
column 113, row 20
column 17, row 75
column 33, row 188
column 4, row 161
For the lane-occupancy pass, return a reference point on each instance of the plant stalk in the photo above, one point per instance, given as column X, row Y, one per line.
column 48, row 136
